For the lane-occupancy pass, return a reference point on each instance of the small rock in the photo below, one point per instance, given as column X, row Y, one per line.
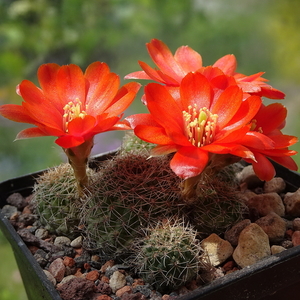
column 275, row 185
column 41, row 257
column 136, row 296
column 253, row 245
column 76, row 288
column 66, row 279
column 9, row 210
column 76, row 243
column 104, row 297
column 232, row 235
column 117, row 281
column 62, row 241
column 292, row 203
column 92, row 275
column 217, row 250
column 296, row 224
column 244, row 196
column 17, row 200
column 69, row 261
column 248, row 176
column 276, row 249
column 57, row 269
column 123, row 290
column 103, row 288
column 274, row 226
column 266, row 203
column 296, row 238
column 50, row 277
column 41, row 233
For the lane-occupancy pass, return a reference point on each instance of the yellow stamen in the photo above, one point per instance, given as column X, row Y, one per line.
column 72, row 110
column 200, row 125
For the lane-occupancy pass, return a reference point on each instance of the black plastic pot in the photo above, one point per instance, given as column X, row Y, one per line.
column 276, row 277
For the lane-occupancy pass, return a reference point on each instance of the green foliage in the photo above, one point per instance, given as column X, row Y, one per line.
column 169, row 256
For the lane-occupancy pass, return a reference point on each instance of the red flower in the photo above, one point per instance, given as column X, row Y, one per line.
column 172, row 69
column 72, row 105
column 268, row 122
column 197, row 124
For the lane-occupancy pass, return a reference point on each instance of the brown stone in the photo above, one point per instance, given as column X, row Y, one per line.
column 296, row 238
column 92, row 275
column 69, row 261
column 124, row 289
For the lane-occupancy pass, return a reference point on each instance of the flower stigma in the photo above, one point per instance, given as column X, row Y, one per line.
column 200, row 125
column 72, row 110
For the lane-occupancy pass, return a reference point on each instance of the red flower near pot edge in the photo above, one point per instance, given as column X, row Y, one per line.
column 269, row 120
column 172, row 68
column 201, row 123
column 72, row 105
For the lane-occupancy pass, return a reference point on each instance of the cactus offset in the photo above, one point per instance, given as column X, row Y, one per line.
column 131, row 191
column 56, row 200
column 169, row 256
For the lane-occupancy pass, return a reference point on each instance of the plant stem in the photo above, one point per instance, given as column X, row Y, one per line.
column 78, row 159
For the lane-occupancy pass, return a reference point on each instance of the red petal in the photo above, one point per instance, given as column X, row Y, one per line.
column 164, row 59
column 47, row 78
column 69, row 141
column 195, row 89
column 188, row 59
column 80, row 127
column 70, row 84
column 152, row 134
column 123, row 99
column 163, row 150
column 16, row 113
column 30, row 133
column 227, row 64
column 227, row 105
column 141, row 119
column 189, row 162
column 137, row 75
column 263, row 168
column 151, row 72
column 270, row 117
column 286, row 161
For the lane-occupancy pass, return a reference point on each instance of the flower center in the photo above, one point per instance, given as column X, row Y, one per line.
column 200, row 125
column 72, row 110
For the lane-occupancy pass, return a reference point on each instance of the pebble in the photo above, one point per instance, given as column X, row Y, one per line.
column 266, row 203
column 77, row 243
column 292, row 203
column 57, row 269
column 17, row 200
column 276, row 249
column 92, row 275
column 41, row 233
column 253, row 245
column 62, row 241
column 296, row 238
column 9, row 210
column 248, row 176
column 117, row 281
column 50, row 277
column 232, row 235
column 123, row 290
column 274, row 226
column 296, row 224
column 216, row 249
column 275, row 185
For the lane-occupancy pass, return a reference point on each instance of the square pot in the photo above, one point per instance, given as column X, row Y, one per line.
column 275, row 277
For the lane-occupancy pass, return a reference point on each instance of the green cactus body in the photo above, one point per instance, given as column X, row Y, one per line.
column 169, row 256
column 131, row 192
column 56, row 200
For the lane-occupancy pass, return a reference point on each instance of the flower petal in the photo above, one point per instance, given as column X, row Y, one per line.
column 188, row 59
column 189, row 162
column 227, row 64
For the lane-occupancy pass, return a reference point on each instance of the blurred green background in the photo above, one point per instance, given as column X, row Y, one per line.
column 263, row 35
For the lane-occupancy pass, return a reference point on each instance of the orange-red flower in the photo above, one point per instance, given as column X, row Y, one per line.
column 197, row 124
column 70, row 104
column 172, row 69
column 268, row 122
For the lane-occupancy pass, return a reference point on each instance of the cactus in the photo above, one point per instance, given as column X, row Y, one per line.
column 134, row 145
column 217, row 207
column 169, row 256
column 130, row 192
column 56, row 200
